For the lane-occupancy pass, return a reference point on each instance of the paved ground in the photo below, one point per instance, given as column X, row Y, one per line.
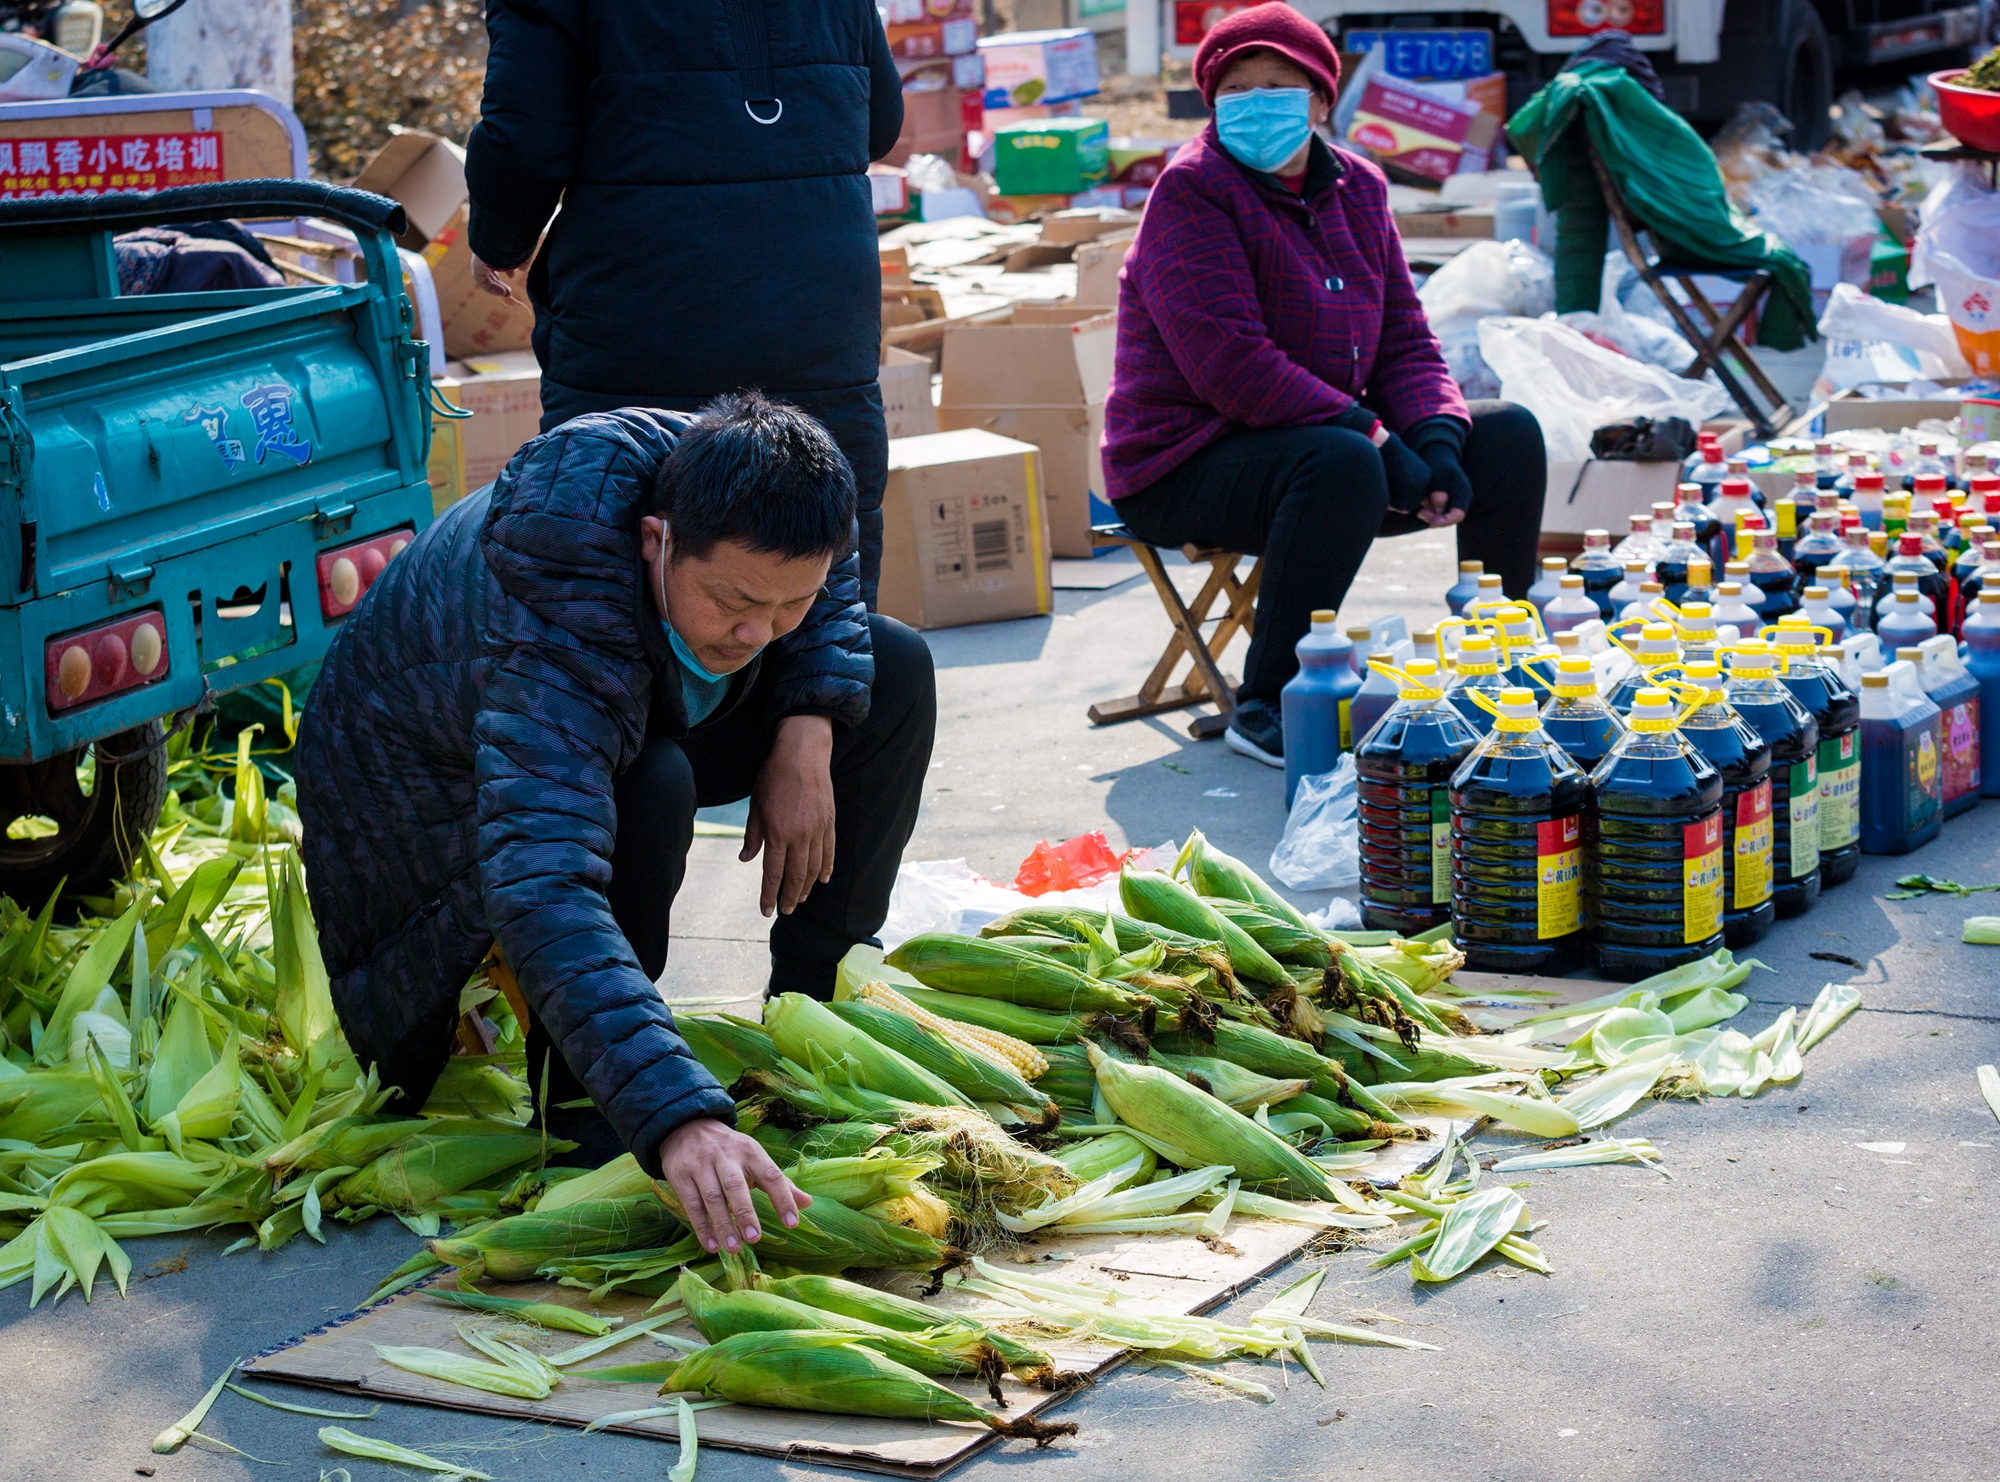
column 1787, row 1307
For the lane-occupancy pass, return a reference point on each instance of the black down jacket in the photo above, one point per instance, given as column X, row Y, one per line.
column 457, row 760
column 716, row 229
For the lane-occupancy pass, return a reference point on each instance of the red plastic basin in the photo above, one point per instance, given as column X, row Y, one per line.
column 1971, row 115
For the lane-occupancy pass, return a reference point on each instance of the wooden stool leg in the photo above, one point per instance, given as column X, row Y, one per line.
column 1156, row 695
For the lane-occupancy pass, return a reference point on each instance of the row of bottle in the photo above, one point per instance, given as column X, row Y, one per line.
column 1764, row 791
column 1848, row 576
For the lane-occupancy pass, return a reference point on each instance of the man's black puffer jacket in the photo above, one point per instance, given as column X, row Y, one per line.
column 717, row 228
column 458, row 756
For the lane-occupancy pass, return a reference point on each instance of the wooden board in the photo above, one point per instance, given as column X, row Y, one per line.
column 1156, row 1273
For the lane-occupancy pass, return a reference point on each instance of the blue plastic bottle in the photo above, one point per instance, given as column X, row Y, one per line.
column 1600, row 572
column 1462, row 591
column 1902, row 623
column 1549, row 584
column 1902, row 775
column 1378, row 691
column 1957, row 696
column 1315, row 702
column 1982, row 662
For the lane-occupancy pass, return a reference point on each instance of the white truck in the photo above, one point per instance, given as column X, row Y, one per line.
column 1712, row 55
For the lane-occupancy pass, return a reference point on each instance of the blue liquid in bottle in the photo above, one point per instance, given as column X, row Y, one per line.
column 1743, row 758
column 1902, row 768
column 1760, row 698
column 1462, row 591
column 1314, row 705
column 1982, row 662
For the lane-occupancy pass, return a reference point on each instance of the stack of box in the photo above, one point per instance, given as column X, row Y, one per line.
column 493, row 372
column 1036, row 82
column 935, row 46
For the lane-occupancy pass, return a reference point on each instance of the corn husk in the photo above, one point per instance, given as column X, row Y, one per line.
column 457, row 1368
column 832, row 1238
column 905, row 1315
column 621, row 1178
column 833, row 1373
column 370, row 1449
column 719, row 1315
column 727, row 1046
column 811, row 1034
column 542, row 1314
column 977, row 967
column 175, row 1436
column 1173, row 1113
column 1989, row 1087
column 858, row 1182
column 1094, row 1157
column 514, row 1249
column 1470, row 1229
column 1155, row 897
column 975, row 1077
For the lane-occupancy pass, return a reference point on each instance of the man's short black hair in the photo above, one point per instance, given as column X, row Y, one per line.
column 761, row 473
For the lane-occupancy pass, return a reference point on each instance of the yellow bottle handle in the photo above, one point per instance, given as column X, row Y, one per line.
column 1527, row 667
column 1408, row 686
column 1784, row 663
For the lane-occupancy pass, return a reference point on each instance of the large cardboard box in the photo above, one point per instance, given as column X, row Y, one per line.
column 504, row 394
column 1054, row 156
column 1600, row 494
column 1028, row 67
column 426, row 175
column 933, row 123
column 964, row 531
column 907, row 407
column 1413, row 131
column 1040, row 374
column 1097, row 267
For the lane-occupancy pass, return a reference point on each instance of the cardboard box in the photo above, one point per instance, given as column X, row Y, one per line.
column 1097, row 267
column 1139, row 161
column 933, row 123
column 1845, row 410
column 1086, row 225
column 426, row 176
column 1601, row 494
column 1412, row 130
column 1054, row 156
column 1028, row 67
column 1454, row 221
column 920, row 42
column 891, row 189
column 504, row 394
column 1040, row 374
column 964, row 531
column 907, row 407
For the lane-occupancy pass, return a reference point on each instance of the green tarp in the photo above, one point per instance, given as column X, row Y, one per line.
column 1669, row 180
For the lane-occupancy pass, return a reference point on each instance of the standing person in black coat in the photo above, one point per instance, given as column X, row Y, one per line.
column 512, row 732
column 705, row 163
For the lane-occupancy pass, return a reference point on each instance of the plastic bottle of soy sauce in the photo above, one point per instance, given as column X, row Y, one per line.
column 1902, row 776
column 1654, row 874
column 1476, row 667
column 1403, row 770
column 1743, row 758
column 1517, row 813
column 1462, row 591
column 1576, row 717
column 1600, row 572
column 1657, row 650
column 1947, row 685
column 1817, row 684
column 1314, row 703
column 1759, row 696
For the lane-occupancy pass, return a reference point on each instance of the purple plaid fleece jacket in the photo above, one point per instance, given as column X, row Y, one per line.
column 1242, row 305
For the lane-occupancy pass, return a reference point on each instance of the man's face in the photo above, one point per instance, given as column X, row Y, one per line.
column 732, row 602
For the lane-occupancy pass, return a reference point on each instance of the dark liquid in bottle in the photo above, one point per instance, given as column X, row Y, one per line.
column 1836, row 711
column 1794, row 740
column 1741, row 756
column 1517, row 855
column 1403, row 781
column 1655, row 881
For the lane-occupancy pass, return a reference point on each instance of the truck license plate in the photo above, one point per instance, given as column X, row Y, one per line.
column 1429, row 56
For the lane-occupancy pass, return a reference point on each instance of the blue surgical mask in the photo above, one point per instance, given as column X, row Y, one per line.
column 686, row 655
column 1265, row 126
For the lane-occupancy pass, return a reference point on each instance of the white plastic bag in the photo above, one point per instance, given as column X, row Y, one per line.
column 1958, row 249
column 1321, row 847
column 1575, row 387
column 1486, row 278
column 1638, row 335
column 948, row 895
column 1869, row 341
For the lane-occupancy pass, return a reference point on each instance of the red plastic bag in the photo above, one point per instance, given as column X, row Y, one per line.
column 1070, row 865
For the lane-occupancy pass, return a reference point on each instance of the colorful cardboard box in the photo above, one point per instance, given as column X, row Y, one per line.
column 1050, row 156
column 1028, row 67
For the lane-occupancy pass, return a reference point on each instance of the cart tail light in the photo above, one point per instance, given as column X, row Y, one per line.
column 346, row 574
column 106, row 660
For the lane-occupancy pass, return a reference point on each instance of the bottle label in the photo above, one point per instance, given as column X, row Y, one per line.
column 1839, row 792
column 1753, row 847
column 1559, row 858
column 1347, row 725
column 1960, row 731
column 1701, row 878
column 1925, row 778
column 1805, row 817
column 1440, row 846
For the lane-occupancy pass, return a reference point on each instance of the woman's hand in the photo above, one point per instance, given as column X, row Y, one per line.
column 710, row 1168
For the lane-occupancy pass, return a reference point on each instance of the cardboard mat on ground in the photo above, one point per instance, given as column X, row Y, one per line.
column 1155, row 1273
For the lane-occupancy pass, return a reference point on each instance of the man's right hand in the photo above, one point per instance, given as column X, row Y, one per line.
column 710, row 1167
column 491, row 280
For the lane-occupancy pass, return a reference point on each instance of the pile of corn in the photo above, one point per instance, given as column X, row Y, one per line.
column 173, row 1063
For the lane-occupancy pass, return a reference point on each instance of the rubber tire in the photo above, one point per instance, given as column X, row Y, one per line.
column 1806, row 77
column 100, row 833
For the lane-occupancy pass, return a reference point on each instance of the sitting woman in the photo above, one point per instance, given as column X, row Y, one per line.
column 1277, row 388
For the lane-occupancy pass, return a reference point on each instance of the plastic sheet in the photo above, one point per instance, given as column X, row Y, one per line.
column 1870, row 341
column 1958, row 249
column 1321, row 847
column 1575, row 387
column 1486, row 278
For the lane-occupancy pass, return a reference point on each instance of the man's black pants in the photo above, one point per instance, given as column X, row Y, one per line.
column 1310, row 501
column 878, row 778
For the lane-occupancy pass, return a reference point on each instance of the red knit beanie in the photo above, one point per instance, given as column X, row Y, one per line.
column 1276, row 27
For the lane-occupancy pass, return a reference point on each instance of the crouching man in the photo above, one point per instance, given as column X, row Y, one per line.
column 643, row 615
